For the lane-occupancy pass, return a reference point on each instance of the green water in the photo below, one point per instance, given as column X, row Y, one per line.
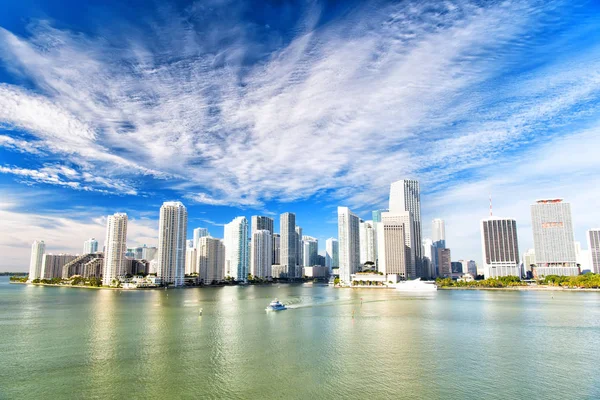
column 78, row 343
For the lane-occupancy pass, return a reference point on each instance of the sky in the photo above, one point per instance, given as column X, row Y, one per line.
column 259, row 108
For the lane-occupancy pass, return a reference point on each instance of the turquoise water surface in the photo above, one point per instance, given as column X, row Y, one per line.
column 332, row 343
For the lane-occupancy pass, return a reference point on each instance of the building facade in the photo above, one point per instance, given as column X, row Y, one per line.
column 260, row 223
column 405, row 218
column 310, row 251
column 348, row 243
column 90, row 246
column 405, row 195
column 392, row 249
column 593, row 241
column 52, row 265
column 38, row 248
column 115, row 247
column 236, row 249
column 211, row 260
column 288, row 243
column 445, row 262
column 198, row 233
column 262, row 253
column 276, row 249
column 331, row 254
column 172, row 240
column 368, row 242
column 500, row 247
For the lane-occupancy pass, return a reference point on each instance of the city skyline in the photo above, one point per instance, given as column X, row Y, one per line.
column 102, row 113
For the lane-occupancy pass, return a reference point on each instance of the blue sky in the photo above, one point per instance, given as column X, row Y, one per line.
column 245, row 108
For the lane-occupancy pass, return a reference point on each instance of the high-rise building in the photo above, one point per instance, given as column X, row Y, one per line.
column 500, row 247
column 138, row 253
column 528, row 260
column 90, row 246
column 149, row 253
column 191, row 261
column 310, row 250
column 428, row 258
column 115, row 248
column 405, row 195
column 260, row 223
column 593, row 240
column 469, row 267
column 211, row 260
column 438, row 232
column 331, row 254
column 299, row 253
column 368, row 242
column 276, row 249
column 445, row 263
column 393, row 219
column 349, row 244
column 262, row 253
column 236, row 249
column 392, row 250
column 38, row 248
column 289, row 242
column 553, row 238
column 189, row 243
column 198, row 233
column 52, row 265
column 377, row 215
column 172, row 238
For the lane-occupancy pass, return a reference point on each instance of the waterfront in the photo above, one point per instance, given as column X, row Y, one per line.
column 453, row 344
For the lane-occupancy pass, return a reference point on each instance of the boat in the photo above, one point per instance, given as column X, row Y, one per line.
column 416, row 285
column 276, row 305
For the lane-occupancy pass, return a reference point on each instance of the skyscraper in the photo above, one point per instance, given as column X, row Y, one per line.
column 593, row 240
column 553, row 238
column 191, row 261
column 276, row 248
column 349, row 244
column 368, row 242
column 198, row 233
column 500, row 247
column 428, row 258
column 211, row 260
column 438, row 232
column 262, row 223
column 445, row 263
column 405, row 195
column 310, row 250
column 262, row 253
column 331, row 254
column 299, row 254
column 90, row 246
column 389, row 229
column 38, row 248
column 52, row 265
column 236, row 249
column 172, row 238
column 116, row 246
column 149, row 253
column 289, row 243
column 528, row 260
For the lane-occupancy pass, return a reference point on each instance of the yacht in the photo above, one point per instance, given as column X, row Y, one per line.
column 416, row 285
column 276, row 305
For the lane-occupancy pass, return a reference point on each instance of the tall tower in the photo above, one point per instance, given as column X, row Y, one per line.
column 349, row 244
column 310, row 251
column 198, row 233
column 299, row 253
column 553, row 238
column 393, row 253
column 500, row 247
column 172, row 237
column 116, row 247
column 262, row 253
column 388, row 228
column 236, row 249
column 405, row 195
column 211, row 260
column 260, row 223
column 276, row 249
column 289, row 242
column 90, row 246
column 438, row 232
column 368, row 242
column 593, row 239
column 38, row 248
column 331, row 254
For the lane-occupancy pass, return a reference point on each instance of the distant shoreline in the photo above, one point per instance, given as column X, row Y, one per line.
column 522, row 288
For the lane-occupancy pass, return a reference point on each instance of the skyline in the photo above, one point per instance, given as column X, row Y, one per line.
column 178, row 103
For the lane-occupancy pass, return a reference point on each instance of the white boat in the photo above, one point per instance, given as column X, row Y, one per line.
column 416, row 285
column 276, row 305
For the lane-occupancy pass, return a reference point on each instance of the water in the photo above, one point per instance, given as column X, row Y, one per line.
column 80, row 343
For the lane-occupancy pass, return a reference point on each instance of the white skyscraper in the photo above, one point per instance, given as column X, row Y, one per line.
column 388, row 229
column 438, row 231
column 289, row 243
column 405, row 195
column 236, row 249
column 593, row 240
column 211, row 260
column 553, row 238
column 149, row 253
column 299, row 253
column 368, row 242
column 38, row 248
column 115, row 248
column 262, row 253
column 260, row 223
column 310, row 251
column 90, row 246
column 172, row 238
column 198, row 233
column 349, row 244
column 191, row 264
column 500, row 247
column 428, row 257
column 331, row 254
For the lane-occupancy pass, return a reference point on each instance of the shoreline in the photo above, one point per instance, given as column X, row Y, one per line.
column 524, row 288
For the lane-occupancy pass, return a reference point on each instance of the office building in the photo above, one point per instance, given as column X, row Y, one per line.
column 262, row 253
column 394, row 219
column 260, row 223
column 377, row 215
column 191, row 261
column 299, row 253
column 428, row 258
column 276, row 248
column 348, row 244
column 444, row 260
column 289, row 243
column 469, row 267
column 593, row 241
column 198, row 233
column 236, row 249
column 405, row 196
column 38, row 248
column 438, row 232
column 331, row 254
column 211, row 260
column 393, row 253
column 368, row 242
column 310, row 250
column 553, row 238
column 115, row 248
column 149, row 253
column 172, row 238
column 90, row 246
column 52, row 265
column 500, row 247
